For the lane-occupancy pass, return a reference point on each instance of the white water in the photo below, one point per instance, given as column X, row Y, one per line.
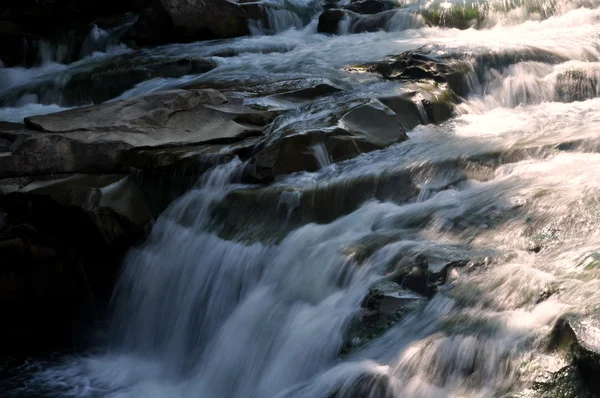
column 199, row 315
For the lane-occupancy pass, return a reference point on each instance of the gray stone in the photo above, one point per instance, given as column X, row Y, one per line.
column 376, row 122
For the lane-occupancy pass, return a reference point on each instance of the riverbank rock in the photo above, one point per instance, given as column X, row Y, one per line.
column 167, row 21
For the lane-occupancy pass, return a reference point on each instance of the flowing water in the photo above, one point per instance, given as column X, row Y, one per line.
column 199, row 314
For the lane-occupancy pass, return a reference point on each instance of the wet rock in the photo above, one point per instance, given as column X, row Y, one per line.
column 457, row 16
column 93, row 139
column 370, row 6
column 329, row 21
column 349, row 21
column 416, row 277
column 296, row 152
column 577, row 336
column 92, row 85
column 307, row 94
column 425, row 65
column 45, row 154
column 565, row 382
column 19, row 46
column 378, row 123
column 27, row 26
column 242, row 210
column 107, row 82
column 408, row 110
column 386, row 303
column 164, row 173
column 451, row 73
column 167, row 21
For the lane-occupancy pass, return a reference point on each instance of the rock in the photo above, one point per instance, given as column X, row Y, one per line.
column 167, row 21
column 408, row 110
column 307, row 94
column 93, row 139
column 19, row 46
column 424, row 65
column 370, row 6
column 458, row 16
column 107, row 82
column 329, row 21
column 578, row 337
column 296, row 152
column 45, row 154
column 61, row 250
column 97, row 83
column 349, row 21
column 376, row 122
column 164, row 173
column 386, row 303
column 26, row 26
column 298, row 205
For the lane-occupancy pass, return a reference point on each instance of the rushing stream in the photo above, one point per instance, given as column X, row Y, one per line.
column 262, row 311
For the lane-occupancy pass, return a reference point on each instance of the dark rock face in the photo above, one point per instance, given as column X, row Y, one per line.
column 63, row 236
column 24, row 25
column 60, row 249
column 329, row 21
column 370, row 6
column 166, row 21
column 367, row 16
column 108, row 82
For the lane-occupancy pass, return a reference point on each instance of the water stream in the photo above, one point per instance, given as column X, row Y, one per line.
column 199, row 314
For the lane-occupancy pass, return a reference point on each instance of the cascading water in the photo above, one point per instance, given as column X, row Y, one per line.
column 211, row 313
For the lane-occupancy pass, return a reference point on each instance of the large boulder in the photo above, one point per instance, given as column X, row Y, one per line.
column 166, row 21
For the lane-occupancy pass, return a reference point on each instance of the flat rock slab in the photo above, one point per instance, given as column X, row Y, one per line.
column 165, row 117
column 93, row 139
